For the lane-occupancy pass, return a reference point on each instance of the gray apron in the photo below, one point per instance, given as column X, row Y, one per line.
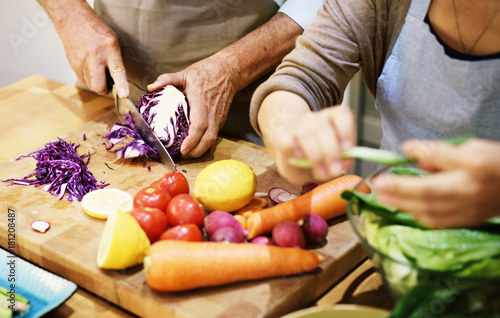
column 158, row 37
column 422, row 93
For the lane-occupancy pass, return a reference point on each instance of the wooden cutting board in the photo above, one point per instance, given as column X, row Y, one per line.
column 69, row 248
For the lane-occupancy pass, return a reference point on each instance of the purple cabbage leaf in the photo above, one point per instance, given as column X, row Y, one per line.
column 167, row 112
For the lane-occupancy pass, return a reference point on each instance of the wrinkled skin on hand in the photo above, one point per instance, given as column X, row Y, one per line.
column 318, row 136
column 209, row 86
column 463, row 190
column 91, row 47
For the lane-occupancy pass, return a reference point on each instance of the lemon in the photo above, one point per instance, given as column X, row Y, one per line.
column 101, row 202
column 123, row 243
column 226, row 185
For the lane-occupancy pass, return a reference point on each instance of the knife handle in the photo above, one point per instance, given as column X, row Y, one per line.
column 109, row 80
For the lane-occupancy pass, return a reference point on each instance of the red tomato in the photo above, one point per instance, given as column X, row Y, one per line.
column 152, row 197
column 155, row 184
column 152, row 220
column 174, row 182
column 184, row 232
column 183, row 209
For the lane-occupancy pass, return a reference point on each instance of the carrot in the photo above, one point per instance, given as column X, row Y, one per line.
column 173, row 265
column 242, row 220
column 248, row 210
column 323, row 200
column 259, row 201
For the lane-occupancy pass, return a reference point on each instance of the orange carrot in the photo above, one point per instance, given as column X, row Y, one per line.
column 323, row 200
column 259, row 201
column 180, row 265
column 242, row 220
column 248, row 210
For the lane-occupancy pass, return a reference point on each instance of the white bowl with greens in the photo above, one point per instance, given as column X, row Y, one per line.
column 429, row 272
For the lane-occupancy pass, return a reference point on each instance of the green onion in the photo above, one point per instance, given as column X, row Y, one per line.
column 384, row 157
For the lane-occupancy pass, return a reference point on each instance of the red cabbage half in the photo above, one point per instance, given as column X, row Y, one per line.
column 59, row 168
column 167, row 112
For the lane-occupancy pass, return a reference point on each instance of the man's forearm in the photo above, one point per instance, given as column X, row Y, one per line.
column 262, row 50
column 62, row 11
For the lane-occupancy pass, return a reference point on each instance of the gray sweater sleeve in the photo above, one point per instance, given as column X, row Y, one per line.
column 346, row 36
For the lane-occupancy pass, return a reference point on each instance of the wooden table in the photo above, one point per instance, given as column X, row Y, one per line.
column 30, row 122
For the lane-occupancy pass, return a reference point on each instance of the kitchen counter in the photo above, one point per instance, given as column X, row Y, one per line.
column 36, row 110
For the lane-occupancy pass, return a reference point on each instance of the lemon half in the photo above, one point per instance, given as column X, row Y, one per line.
column 101, row 202
column 226, row 185
column 123, row 243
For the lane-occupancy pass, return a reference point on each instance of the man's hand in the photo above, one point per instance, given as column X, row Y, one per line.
column 209, row 86
column 90, row 45
column 463, row 189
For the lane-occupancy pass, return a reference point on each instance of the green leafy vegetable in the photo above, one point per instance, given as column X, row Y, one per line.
column 368, row 201
column 407, row 171
column 432, row 272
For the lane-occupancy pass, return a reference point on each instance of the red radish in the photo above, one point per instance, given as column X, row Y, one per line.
column 308, row 186
column 288, row 234
column 314, row 227
column 220, row 219
column 262, row 240
column 260, row 194
column 40, row 226
column 227, row 234
column 280, row 195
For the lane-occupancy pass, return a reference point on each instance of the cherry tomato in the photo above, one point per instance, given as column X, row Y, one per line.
column 183, row 209
column 152, row 220
column 184, row 232
column 152, row 197
column 174, row 182
column 155, row 184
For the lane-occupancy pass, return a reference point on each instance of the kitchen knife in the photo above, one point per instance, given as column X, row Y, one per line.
column 125, row 106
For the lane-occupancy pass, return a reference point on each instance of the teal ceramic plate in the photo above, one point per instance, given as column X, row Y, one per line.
column 45, row 290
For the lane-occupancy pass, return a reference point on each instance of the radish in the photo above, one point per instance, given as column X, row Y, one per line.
column 227, row 234
column 280, row 195
column 308, row 186
column 262, row 240
column 221, row 219
column 288, row 234
column 40, row 226
column 314, row 227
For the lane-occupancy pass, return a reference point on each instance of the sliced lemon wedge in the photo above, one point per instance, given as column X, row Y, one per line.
column 123, row 243
column 101, row 202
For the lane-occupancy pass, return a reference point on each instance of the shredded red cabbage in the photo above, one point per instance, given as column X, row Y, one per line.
column 59, row 168
column 133, row 149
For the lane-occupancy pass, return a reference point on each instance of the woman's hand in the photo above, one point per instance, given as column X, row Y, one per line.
column 290, row 129
column 209, row 86
column 464, row 189
column 90, row 45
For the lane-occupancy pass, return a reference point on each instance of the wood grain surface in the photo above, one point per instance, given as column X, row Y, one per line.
column 69, row 248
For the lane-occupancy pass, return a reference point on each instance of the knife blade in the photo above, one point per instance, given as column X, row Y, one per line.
column 125, row 106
